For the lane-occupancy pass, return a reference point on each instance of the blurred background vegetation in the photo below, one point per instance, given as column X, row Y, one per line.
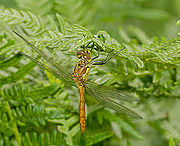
column 33, row 103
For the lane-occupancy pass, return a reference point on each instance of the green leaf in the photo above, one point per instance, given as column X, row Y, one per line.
column 10, row 62
column 9, row 43
column 104, row 36
column 171, row 142
column 43, row 92
column 28, row 20
column 13, row 77
column 156, row 77
column 98, row 137
column 138, row 61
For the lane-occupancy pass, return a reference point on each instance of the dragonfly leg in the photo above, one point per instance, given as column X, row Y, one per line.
column 87, row 45
column 92, row 47
column 97, row 55
column 104, row 61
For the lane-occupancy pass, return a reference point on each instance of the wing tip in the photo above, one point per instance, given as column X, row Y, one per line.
column 136, row 115
column 140, row 117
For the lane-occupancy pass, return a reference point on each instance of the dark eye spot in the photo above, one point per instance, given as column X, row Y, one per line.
column 79, row 53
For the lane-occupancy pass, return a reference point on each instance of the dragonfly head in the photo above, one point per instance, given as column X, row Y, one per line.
column 84, row 55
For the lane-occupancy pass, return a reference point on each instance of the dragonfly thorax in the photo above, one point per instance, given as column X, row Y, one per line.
column 84, row 55
column 81, row 72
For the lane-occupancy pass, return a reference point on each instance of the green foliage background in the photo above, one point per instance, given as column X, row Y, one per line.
column 37, row 109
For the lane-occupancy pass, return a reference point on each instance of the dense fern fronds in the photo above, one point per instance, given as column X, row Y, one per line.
column 76, row 36
column 46, row 138
column 21, row 107
column 19, row 93
column 13, row 77
column 33, row 138
column 30, row 22
column 35, row 111
column 4, row 64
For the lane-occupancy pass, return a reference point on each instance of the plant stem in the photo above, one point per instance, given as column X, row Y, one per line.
column 15, row 129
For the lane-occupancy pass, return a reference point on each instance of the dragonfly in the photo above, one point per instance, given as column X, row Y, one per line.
column 108, row 97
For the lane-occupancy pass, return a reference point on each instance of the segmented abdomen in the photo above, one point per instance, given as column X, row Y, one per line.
column 82, row 108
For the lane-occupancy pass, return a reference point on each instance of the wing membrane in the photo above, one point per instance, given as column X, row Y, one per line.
column 109, row 102
column 112, row 93
column 50, row 61
column 53, row 71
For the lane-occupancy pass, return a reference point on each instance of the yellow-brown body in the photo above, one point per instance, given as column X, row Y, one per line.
column 80, row 74
column 82, row 109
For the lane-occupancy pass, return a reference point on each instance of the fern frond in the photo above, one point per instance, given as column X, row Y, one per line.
column 34, row 115
column 46, row 138
column 30, row 23
column 6, row 44
column 98, row 137
column 33, row 138
column 13, row 77
column 4, row 64
column 6, row 126
column 30, row 115
column 20, row 94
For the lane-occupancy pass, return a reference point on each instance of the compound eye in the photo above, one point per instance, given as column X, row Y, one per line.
column 79, row 54
column 87, row 56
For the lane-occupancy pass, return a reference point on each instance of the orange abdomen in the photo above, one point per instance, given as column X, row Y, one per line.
column 82, row 109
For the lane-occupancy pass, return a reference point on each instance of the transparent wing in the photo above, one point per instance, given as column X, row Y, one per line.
column 112, row 93
column 53, row 71
column 50, row 61
column 105, row 97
